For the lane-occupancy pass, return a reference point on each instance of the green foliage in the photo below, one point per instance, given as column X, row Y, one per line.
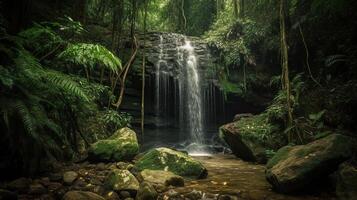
column 258, row 128
column 28, row 92
column 40, row 39
column 39, row 102
column 277, row 110
column 115, row 120
column 229, row 87
column 91, row 55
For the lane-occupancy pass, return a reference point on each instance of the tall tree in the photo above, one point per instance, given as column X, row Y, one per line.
column 285, row 65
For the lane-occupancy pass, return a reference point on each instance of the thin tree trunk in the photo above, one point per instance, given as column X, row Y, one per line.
column 143, row 74
column 127, row 67
column 183, row 16
column 241, row 9
column 235, row 8
column 285, row 67
column 307, row 57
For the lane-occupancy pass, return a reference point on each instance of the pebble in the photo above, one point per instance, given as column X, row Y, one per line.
column 69, row 177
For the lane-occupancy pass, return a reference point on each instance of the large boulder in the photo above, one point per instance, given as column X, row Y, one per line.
column 242, row 144
column 295, row 168
column 346, row 187
column 80, row 195
column 162, row 177
column 170, row 160
column 122, row 145
column 121, row 180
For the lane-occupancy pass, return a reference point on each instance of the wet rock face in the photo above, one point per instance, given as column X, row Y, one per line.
column 346, row 187
column 242, row 146
column 170, row 160
column 295, row 168
column 170, row 42
column 122, row 145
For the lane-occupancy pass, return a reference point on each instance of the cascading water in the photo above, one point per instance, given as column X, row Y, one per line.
column 193, row 91
column 185, row 100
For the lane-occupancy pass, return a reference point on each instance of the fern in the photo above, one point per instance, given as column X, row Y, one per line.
column 89, row 55
column 332, row 60
column 63, row 82
column 40, row 38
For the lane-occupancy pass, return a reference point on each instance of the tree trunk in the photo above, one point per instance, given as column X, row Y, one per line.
column 143, row 74
column 285, row 67
column 235, row 8
column 184, row 20
column 126, row 70
column 241, row 9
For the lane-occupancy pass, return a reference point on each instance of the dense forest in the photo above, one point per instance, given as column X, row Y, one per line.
column 178, row 99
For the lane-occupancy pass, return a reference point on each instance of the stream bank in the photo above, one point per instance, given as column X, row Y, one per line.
column 228, row 178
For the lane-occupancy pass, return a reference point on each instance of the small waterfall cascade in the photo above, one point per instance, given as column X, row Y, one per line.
column 193, row 92
column 187, row 105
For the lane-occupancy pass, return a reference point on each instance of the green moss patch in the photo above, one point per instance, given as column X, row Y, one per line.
column 171, row 160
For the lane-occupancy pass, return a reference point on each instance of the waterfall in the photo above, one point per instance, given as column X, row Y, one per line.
column 185, row 101
column 161, row 83
column 193, row 91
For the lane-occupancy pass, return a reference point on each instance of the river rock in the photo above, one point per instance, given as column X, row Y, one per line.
column 69, row 177
column 37, row 189
column 80, row 195
column 295, row 168
column 162, row 177
column 121, row 180
column 7, row 195
column 146, row 192
column 241, row 145
column 346, row 187
column 111, row 196
column 122, row 145
column 20, row 184
column 170, row 160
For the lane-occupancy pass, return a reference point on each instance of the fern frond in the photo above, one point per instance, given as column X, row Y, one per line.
column 26, row 118
column 333, row 59
column 89, row 55
column 64, row 82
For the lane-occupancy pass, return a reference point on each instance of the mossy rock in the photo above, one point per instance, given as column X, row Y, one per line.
column 121, row 180
column 295, row 168
column 122, row 145
column 346, row 187
column 170, row 160
column 166, row 178
column 146, row 192
column 242, row 143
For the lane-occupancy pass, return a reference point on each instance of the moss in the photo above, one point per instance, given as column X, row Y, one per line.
column 119, row 180
column 174, row 161
column 282, row 154
column 122, row 145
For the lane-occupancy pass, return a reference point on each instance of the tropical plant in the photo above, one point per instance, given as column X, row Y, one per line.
column 115, row 120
